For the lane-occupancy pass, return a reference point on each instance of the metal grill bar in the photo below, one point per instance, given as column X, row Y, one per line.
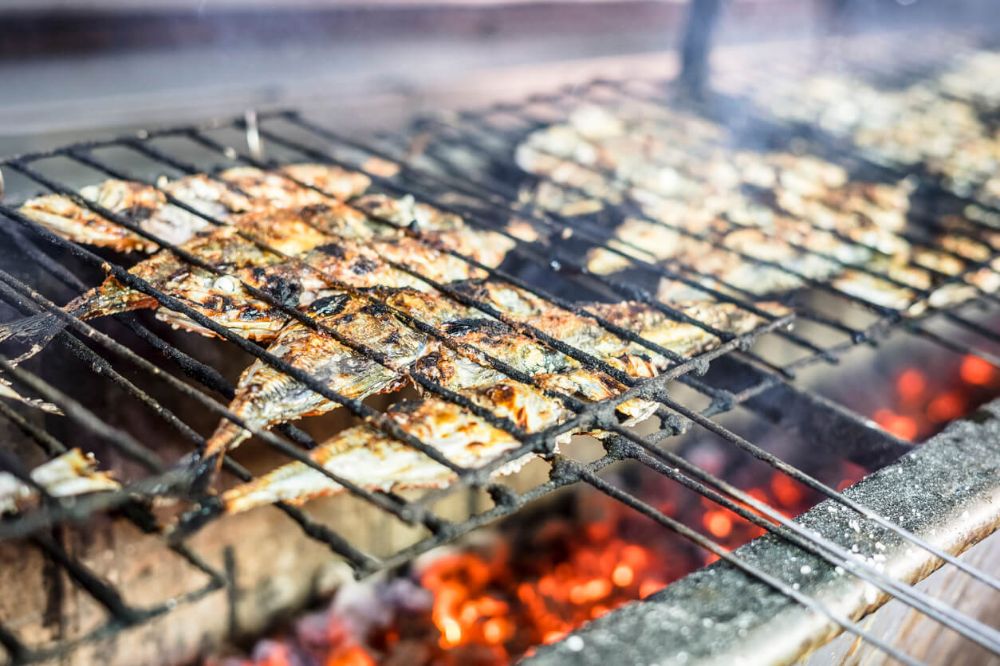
column 630, row 446
column 560, row 226
column 635, row 209
column 891, row 317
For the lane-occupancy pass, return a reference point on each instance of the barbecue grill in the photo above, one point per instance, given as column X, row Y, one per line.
column 858, row 549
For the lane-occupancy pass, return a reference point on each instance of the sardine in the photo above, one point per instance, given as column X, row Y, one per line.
column 368, row 458
column 375, row 461
column 266, row 396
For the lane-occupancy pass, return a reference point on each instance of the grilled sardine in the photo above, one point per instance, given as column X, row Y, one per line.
column 366, row 457
column 266, row 396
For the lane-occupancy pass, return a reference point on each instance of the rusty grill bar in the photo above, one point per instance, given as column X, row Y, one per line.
column 487, row 201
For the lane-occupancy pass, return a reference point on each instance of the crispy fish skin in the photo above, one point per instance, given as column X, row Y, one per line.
column 70, row 474
column 220, row 298
column 373, row 461
column 278, row 189
column 266, row 396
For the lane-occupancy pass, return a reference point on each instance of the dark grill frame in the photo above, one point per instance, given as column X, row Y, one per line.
column 495, row 203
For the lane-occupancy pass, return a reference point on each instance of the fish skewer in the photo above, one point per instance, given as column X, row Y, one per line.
column 70, row 474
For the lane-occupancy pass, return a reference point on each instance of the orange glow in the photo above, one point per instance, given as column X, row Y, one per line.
column 946, row 407
column 650, row 587
column 904, row 427
column 976, row 371
column 718, row 523
column 492, row 605
column 353, row 656
column 911, row 385
column 623, row 575
column 788, row 491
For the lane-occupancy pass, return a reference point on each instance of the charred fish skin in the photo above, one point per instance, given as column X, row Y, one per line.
column 143, row 205
column 68, row 219
column 481, row 336
column 266, row 396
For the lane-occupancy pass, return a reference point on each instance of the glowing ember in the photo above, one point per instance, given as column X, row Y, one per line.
column 978, row 372
column 924, row 402
column 489, row 606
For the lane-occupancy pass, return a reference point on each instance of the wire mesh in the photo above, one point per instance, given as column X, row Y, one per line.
column 487, row 199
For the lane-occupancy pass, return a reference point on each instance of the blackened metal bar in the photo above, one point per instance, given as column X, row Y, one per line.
column 16, row 650
column 489, row 309
column 359, row 560
column 120, row 439
column 204, row 374
column 826, row 424
column 284, row 448
column 922, row 295
column 138, row 515
column 308, row 321
column 822, row 547
column 618, row 88
column 685, row 276
column 953, row 345
column 46, row 441
column 336, row 542
column 544, row 217
column 584, row 421
column 636, row 209
column 100, row 591
column 503, row 275
column 522, row 116
column 378, row 419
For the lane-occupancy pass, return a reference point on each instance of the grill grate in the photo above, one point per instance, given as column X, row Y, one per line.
column 487, row 200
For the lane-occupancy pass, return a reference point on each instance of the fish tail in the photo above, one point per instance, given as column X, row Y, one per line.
column 7, row 391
